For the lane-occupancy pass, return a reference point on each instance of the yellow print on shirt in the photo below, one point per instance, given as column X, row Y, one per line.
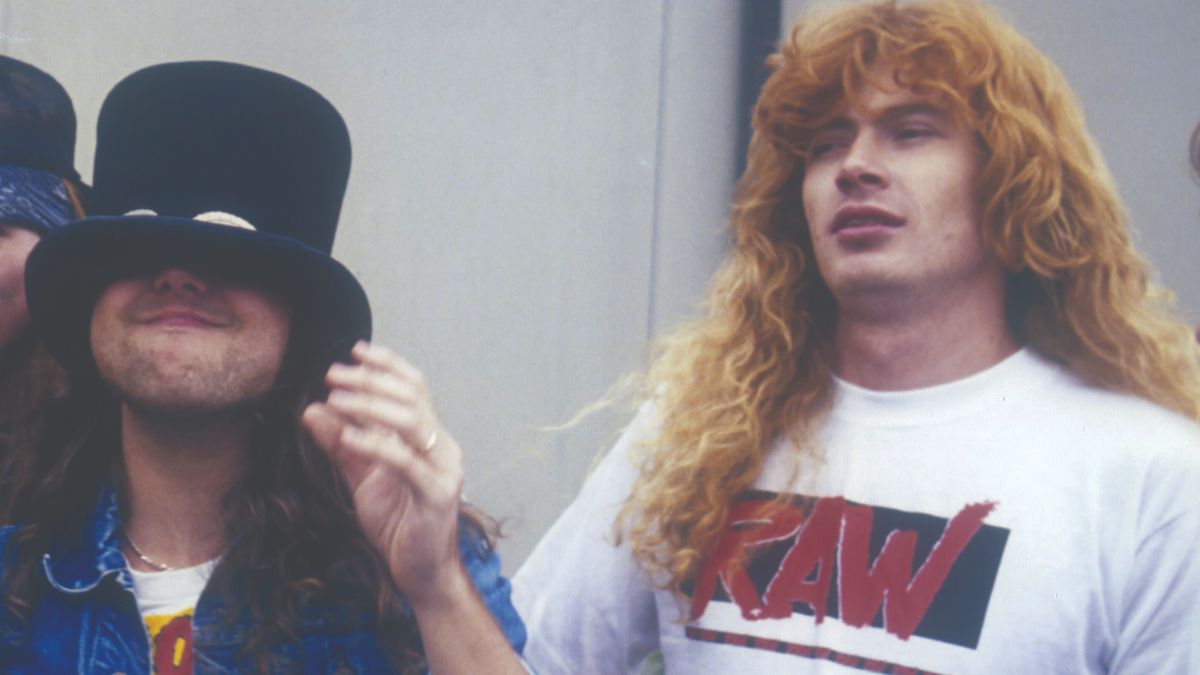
column 170, row 642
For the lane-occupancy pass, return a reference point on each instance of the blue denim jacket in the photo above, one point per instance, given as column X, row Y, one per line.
column 88, row 621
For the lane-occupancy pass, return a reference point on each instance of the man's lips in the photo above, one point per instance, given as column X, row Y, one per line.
column 851, row 219
column 181, row 317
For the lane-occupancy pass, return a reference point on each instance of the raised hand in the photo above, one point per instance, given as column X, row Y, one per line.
column 405, row 471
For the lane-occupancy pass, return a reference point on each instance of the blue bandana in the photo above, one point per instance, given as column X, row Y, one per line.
column 34, row 198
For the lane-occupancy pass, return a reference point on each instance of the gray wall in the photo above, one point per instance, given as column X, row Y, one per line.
column 539, row 185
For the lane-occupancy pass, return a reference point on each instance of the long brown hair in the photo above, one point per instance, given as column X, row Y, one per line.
column 31, row 381
column 754, row 366
column 294, row 537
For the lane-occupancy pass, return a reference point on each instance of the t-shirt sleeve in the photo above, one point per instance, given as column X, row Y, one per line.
column 1160, row 617
column 587, row 605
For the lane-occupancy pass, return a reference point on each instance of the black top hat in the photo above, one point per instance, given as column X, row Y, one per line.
column 235, row 168
column 37, row 121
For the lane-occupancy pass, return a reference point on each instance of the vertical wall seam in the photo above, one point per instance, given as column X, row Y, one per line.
column 760, row 32
column 656, row 198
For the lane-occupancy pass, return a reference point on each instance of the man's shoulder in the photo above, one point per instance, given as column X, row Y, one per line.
column 1117, row 413
column 1117, row 433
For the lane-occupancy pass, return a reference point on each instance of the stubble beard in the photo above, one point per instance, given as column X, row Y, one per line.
column 185, row 387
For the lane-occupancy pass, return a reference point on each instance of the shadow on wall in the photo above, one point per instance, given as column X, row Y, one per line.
column 1194, row 152
column 1194, row 156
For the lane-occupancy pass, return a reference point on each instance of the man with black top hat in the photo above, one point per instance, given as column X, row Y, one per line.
column 218, row 496
column 39, row 192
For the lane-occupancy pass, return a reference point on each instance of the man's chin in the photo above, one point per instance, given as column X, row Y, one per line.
column 187, row 406
column 866, row 281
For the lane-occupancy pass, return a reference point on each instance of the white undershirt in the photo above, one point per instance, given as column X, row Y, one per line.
column 170, row 591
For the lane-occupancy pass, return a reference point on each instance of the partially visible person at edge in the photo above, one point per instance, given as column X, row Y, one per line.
column 218, row 497
column 937, row 417
column 39, row 191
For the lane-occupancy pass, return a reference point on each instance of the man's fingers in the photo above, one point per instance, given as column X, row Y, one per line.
column 323, row 424
column 369, row 411
column 427, row 482
column 383, row 359
column 379, row 416
column 366, row 380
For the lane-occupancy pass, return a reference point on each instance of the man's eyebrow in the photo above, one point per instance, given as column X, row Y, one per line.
column 903, row 110
column 889, row 114
column 839, row 123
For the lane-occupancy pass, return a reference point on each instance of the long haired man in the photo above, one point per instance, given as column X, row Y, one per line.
column 937, row 416
column 214, row 495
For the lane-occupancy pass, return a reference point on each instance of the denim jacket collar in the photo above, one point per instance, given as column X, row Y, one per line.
column 81, row 616
column 78, row 565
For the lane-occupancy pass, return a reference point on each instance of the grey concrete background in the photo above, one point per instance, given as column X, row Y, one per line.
column 539, row 185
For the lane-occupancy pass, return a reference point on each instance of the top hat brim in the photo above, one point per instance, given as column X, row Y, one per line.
column 70, row 267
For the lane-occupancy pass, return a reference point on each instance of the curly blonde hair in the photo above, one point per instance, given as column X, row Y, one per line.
column 755, row 365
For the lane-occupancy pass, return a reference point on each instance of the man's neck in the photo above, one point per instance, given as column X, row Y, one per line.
column 903, row 343
column 176, row 472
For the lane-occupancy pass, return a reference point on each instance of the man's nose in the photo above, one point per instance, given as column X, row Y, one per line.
column 179, row 279
column 862, row 166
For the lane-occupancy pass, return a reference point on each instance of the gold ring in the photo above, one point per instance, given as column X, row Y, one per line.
column 429, row 443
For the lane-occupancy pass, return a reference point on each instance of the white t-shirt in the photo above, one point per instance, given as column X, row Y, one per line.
column 167, row 601
column 1015, row 521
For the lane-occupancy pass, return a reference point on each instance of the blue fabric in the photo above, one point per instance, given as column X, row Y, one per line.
column 88, row 621
column 35, row 198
